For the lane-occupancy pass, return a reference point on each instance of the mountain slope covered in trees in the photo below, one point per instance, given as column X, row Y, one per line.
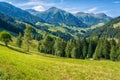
column 18, row 13
column 92, row 19
column 109, row 30
column 10, row 24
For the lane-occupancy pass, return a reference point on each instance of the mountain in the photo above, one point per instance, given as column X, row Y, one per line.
column 18, row 13
column 92, row 19
column 110, row 30
column 32, row 11
column 58, row 17
column 10, row 24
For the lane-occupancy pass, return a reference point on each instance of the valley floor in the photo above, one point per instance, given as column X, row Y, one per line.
column 20, row 66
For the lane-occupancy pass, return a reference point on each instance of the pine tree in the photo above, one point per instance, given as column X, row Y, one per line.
column 59, row 47
column 113, row 53
column 118, row 53
column 77, row 50
column 69, row 47
column 74, row 52
column 98, row 51
column 28, row 36
column 41, row 47
column 84, row 48
column 47, row 44
column 90, row 49
column 19, row 40
column 106, row 49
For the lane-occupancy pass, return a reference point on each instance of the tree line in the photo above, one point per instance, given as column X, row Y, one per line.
column 85, row 48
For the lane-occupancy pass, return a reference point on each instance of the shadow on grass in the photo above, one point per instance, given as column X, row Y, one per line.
column 15, row 49
column 1, row 44
column 18, row 50
column 49, row 55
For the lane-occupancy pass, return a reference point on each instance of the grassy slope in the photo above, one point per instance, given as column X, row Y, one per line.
column 18, row 66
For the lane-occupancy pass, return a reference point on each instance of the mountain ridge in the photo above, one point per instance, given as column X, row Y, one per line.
column 18, row 13
column 109, row 30
column 86, row 18
column 93, row 19
column 57, row 16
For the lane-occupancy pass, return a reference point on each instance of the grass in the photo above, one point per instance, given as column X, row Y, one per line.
column 15, row 65
column 117, row 25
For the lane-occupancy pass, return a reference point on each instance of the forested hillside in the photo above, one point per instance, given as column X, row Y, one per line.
column 59, row 40
column 10, row 24
column 64, row 41
column 18, row 13
column 109, row 30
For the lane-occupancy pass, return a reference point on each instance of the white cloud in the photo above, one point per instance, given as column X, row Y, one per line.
column 39, row 8
column 35, row 2
column 92, row 9
column 103, row 11
column 72, row 10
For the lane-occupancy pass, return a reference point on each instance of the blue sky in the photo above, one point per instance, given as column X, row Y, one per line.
column 110, row 7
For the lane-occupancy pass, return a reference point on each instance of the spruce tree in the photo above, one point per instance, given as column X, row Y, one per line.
column 74, row 52
column 19, row 40
column 84, row 48
column 98, row 51
column 90, row 49
column 77, row 50
column 47, row 44
column 105, row 49
column 59, row 47
column 28, row 36
column 118, row 53
column 113, row 53
column 69, row 47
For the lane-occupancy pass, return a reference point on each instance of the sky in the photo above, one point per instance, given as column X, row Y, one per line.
column 109, row 7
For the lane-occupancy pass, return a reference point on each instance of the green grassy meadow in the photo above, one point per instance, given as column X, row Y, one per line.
column 16, row 65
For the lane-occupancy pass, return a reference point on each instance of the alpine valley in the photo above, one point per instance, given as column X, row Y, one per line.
column 59, row 40
column 54, row 21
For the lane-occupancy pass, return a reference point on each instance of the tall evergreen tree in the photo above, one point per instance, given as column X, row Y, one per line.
column 118, row 53
column 47, row 44
column 28, row 36
column 113, row 53
column 84, row 48
column 106, row 49
column 90, row 49
column 19, row 40
column 59, row 47
column 77, row 50
column 69, row 47
column 98, row 50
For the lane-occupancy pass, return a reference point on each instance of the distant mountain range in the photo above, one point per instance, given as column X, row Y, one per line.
column 57, row 16
column 57, row 22
column 54, row 16
column 92, row 19
column 18, row 13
